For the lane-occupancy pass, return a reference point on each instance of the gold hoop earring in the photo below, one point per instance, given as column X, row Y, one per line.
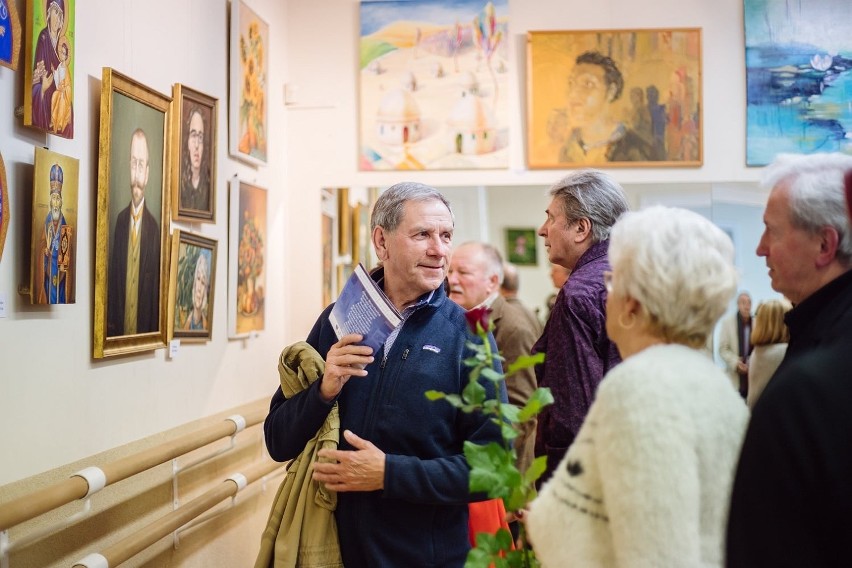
column 632, row 321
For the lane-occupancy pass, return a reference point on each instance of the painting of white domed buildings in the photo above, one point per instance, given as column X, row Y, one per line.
column 434, row 84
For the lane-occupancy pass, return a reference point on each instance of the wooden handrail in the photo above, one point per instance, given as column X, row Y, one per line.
column 75, row 487
column 142, row 539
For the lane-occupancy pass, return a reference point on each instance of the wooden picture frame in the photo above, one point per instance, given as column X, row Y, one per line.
column 53, row 264
column 133, row 154
column 521, row 247
column 361, row 241
column 247, row 238
column 49, row 66
column 344, row 220
column 192, row 279
column 5, row 209
column 328, row 226
column 10, row 41
column 248, row 119
column 194, row 151
column 614, row 98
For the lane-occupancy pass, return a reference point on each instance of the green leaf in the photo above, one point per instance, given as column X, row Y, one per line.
column 474, row 393
column 540, row 398
column 492, row 375
column 525, row 362
column 535, row 469
column 510, row 412
column 508, row 431
column 477, row 558
column 492, row 469
column 435, row 395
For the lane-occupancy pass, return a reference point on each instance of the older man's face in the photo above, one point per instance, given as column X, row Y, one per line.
column 138, row 168
column 470, row 282
column 790, row 252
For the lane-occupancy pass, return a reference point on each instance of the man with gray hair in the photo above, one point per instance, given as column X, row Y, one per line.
column 791, row 503
column 476, row 270
column 400, row 473
column 584, row 207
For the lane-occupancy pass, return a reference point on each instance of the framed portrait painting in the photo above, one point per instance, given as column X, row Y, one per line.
column 53, row 266
column 798, row 78
column 191, row 287
column 247, row 238
column 49, row 66
column 4, row 206
column 614, row 98
column 193, row 158
column 131, row 268
column 521, row 246
column 434, row 84
column 248, row 86
column 10, row 39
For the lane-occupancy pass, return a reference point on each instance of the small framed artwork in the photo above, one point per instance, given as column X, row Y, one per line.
column 4, row 206
column 520, row 246
column 247, row 239
column 53, row 266
column 344, row 219
column 614, row 98
column 10, row 39
column 191, row 287
column 132, row 219
column 329, row 234
column 194, row 155
column 49, row 66
column 249, row 87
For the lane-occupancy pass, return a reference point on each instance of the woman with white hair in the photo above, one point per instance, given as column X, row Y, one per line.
column 648, row 478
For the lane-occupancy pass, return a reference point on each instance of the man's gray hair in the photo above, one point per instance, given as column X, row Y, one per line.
column 594, row 195
column 817, row 199
column 390, row 205
column 511, row 281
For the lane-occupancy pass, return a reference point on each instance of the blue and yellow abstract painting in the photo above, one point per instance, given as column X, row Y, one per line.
column 799, row 77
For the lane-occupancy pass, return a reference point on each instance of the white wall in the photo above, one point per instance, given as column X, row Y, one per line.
column 60, row 404
column 57, row 404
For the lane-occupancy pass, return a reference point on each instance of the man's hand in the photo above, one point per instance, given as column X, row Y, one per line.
column 742, row 367
column 360, row 470
column 344, row 360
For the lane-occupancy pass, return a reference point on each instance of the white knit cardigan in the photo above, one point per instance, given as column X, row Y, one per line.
column 647, row 481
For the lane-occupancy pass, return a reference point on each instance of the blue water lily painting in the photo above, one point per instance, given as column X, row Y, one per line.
column 799, row 77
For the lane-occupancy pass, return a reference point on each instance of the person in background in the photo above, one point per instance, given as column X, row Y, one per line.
column 509, row 290
column 584, row 206
column 735, row 343
column 646, row 481
column 197, row 318
column 769, row 341
column 792, row 498
column 558, row 275
column 474, row 277
column 400, row 474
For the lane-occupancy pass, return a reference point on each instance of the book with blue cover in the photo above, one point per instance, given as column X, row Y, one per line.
column 363, row 308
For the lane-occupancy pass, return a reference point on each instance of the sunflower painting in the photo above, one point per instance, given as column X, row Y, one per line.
column 248, row 118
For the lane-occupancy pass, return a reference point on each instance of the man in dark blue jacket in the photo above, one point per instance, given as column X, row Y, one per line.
column 400, row 474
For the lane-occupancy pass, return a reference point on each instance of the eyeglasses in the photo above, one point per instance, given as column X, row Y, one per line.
column 607, row 278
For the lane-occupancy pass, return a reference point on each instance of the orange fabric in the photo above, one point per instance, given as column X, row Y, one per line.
column 486, row 516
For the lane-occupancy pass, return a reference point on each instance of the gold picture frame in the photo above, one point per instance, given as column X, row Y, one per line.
column 10, row 41
column 192, row 278
column 614, row 98
column 133, row 158
column 344, row 220
column 5, row 210
column 194, row 139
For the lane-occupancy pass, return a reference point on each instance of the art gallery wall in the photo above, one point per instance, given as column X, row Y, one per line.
column 57, row 404
column 62, row 404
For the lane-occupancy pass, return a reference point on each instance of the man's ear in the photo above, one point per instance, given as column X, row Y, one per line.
column 583, row 229
column 829, row 241
column 380, row 243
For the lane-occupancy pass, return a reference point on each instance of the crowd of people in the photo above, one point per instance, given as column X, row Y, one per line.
column 655, row 455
